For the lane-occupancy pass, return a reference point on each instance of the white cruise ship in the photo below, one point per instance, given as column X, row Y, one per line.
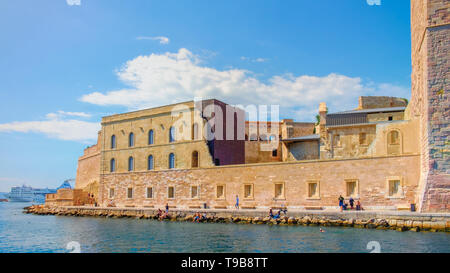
column 28, row 194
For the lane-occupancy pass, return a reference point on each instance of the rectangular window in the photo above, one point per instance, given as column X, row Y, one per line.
column 395, row 188
column 275, row 153
column 194, row 192
column 111, row 193
column 149, row 192
column 220, row 192
column 279, row 191
column 171, row 192
column 337, row 141
column 248, row 191
column 363, row 139
column 313, row 190
column 352, row 188
column 130, row 193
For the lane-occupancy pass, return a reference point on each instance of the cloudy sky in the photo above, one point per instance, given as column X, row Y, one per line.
column 66, row 63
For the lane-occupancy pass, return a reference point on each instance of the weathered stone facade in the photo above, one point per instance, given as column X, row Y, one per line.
column 430, row 21
column 371, row 175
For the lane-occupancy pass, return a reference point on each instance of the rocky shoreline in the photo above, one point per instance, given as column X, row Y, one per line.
column 416, row 223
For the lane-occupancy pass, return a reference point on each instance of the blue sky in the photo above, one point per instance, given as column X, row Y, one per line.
column 64, row 65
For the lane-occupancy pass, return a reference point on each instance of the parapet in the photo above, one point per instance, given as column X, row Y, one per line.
column 373, row 102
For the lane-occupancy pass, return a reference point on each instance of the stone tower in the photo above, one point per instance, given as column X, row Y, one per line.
column 430, row 29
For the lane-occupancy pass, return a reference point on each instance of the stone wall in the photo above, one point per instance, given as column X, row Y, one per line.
column 430, row 21
column 371, row 175
column 88, row 170
column 380, row 102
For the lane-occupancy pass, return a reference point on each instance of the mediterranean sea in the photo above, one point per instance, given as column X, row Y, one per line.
column 21, row 232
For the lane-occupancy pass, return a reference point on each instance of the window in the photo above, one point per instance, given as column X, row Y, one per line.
column 113, row 142
column 290, row 132
column 393, row 138
column 194, row 192
column 171, row 161
column 112, row 165
column 131, row 140
column 275, row 153
column 195, row 131
column 149, row 193
column 150, row 137
column 362, row 139
column 279, row 191
column 313, row 190
column 395, row 188
column 248, row 191
column 220, row 192
column 111, row 193
column 337, row 141
column 150, row 162
column 130, row 193
column 194, row 159
column 391, row 118
column 130, row 164
column 171, row 192
column 351, row 188
column 172, row 134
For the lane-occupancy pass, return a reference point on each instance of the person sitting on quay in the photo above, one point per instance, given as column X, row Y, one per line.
column 197, row 217
column 159, row 213
column 344, row 206
column 278, row 215
column 111, row 204
column 358, row 205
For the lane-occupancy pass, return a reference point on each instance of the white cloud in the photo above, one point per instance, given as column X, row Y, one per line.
column 61, row 114
column 73, row 2
column 162, row 40
column 159, row 79
column 56, row 125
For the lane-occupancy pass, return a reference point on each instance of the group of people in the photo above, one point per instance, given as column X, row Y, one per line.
column 163, row 214
column 278, row 215
column 198, row 217
column 351, row 204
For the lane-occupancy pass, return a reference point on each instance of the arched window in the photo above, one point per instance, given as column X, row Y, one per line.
column 150, row 137
column 194, row 159
column 195, row 131
column 171, row 161
column 131, row 140
column 150, row 162
column 394, row 143
column 113, row 142
column 393, row 138
column 172, row 134
column 130, row 164
column 112, row 165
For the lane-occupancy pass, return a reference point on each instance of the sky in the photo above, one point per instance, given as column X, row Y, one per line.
column 66, row 63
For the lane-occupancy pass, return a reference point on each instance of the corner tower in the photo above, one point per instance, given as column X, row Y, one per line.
column 430, row 30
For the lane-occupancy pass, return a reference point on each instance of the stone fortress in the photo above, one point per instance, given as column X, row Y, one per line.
column 387, row 153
